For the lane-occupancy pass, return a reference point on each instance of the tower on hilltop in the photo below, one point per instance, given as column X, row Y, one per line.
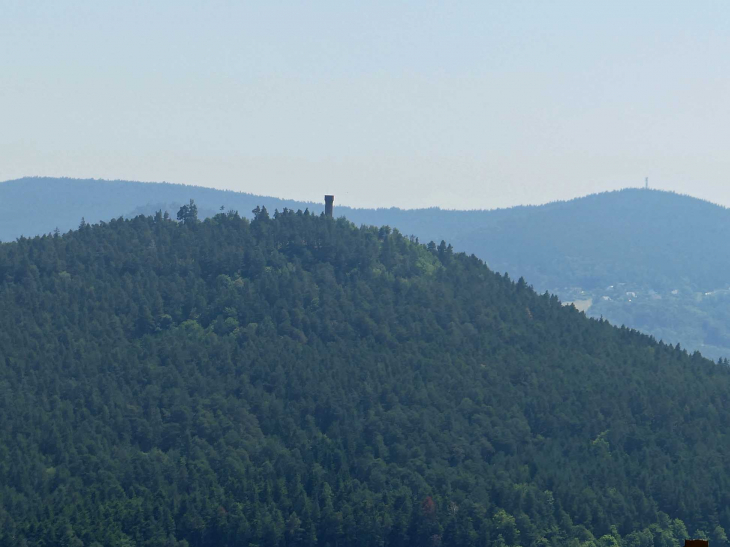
column 329, row 205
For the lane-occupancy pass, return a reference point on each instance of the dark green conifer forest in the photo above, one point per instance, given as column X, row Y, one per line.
column 652, row 260
column 297, row 380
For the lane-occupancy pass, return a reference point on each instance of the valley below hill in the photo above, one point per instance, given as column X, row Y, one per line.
column 699, row 319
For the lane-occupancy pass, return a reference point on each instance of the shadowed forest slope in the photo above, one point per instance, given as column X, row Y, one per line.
column 297, row 380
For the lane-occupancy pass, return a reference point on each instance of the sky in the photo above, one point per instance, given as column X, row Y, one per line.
column 471, row 104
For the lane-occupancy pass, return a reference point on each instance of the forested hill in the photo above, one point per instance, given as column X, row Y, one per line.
column 627, row 236
column 297, row 380
column 651, row 260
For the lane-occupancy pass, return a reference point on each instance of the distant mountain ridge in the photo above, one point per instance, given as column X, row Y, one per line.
column 32, row 206
column 598, row 250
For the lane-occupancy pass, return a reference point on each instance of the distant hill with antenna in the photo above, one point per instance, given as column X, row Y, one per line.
column 601, row 239
column 667, row 250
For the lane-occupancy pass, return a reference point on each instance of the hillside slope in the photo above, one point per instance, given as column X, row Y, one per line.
column 651, row 260
column 300, row 381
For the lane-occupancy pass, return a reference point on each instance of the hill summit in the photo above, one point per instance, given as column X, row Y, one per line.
column 647, row 259
column 632, row 235
column 296, row 380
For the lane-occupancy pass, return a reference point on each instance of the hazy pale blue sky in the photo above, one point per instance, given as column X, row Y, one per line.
column 459, row 104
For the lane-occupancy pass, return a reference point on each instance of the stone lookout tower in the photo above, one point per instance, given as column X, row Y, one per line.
column 329, row 205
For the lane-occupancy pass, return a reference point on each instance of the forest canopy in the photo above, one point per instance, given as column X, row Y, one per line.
column 299, row 380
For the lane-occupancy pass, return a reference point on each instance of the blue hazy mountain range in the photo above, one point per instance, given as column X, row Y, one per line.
column 651, row 260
